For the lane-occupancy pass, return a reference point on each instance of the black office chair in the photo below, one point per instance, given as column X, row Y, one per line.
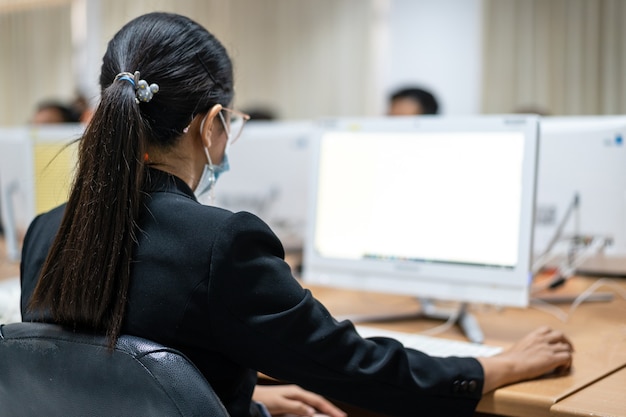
column 46, row 370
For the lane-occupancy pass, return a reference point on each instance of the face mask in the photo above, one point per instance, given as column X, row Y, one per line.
column 205, row 191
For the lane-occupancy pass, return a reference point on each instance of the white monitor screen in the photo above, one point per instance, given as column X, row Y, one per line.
column 269, row 177
column 432, row 207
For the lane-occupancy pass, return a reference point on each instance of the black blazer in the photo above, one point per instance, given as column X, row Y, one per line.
column 214, row 285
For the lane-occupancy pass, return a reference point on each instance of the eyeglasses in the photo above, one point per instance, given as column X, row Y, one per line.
column 233, row 123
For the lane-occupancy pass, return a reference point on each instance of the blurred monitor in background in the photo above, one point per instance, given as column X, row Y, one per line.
column 580, row 218
column 269, row 177
column 36, row 169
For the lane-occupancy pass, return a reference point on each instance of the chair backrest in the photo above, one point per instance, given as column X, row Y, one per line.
column 46, row 370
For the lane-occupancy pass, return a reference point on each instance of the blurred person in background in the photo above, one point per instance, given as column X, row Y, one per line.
column 54, row 112
column 409, row 101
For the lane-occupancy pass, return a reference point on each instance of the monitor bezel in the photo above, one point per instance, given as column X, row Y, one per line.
column 465, row 283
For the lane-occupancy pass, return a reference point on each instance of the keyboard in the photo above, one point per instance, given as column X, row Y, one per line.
column 431, row 345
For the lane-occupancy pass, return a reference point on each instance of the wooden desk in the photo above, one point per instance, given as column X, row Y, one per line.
column 597, row 330
column 604, row 398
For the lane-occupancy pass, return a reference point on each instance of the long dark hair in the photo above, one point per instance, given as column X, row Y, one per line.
column 85, row 278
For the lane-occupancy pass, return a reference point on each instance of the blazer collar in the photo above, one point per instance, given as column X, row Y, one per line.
column 161, row 181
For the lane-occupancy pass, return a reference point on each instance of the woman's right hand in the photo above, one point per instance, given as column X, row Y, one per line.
column 540, row 352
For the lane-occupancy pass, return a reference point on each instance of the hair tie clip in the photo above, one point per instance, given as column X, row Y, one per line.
column 143, row 91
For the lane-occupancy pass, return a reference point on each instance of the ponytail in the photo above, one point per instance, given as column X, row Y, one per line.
column 85, row 278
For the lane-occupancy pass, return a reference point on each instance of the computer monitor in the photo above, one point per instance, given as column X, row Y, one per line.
column 16, row 192
column 434, row 207
column 581, row 193
column 269, row 176
column 36, row 169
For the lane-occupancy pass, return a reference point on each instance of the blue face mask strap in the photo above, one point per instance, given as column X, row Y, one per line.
column 210, row 178
column 206, row 185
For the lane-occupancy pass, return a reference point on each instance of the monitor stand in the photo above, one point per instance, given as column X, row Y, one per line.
column 460, row 316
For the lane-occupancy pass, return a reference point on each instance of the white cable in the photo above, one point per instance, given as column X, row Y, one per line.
column 541, row 262
column 449, row 323
column 581, row 298
column 546, row 307
column 567, row 271
column 593, row 288
column 595, row 247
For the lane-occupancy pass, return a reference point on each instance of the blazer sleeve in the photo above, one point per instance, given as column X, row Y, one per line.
column 37, row 242
column 268, row 322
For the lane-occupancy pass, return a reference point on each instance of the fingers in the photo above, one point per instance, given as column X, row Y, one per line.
column 296, row 408
column 328, row 408
column 556, row 336
column 548, row 335
column 557, row 343
column 293, row 400
column 540, row 352
column 316, row 401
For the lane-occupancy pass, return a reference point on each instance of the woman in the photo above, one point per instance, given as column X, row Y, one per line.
column 134, row 252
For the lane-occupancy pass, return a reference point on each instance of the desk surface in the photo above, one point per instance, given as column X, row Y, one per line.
column 597, row 330
column 604, row 398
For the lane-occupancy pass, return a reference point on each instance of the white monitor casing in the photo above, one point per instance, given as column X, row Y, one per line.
column 461, row 280
column 583, row 156
column 269, row 177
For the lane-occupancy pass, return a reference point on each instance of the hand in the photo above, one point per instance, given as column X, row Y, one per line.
column 291, row 399
column 540, row 352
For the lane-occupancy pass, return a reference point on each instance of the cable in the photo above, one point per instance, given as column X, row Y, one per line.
column 571, row 208
column 449, row 323
column 581, row 298
column 564, row 272
column 599, row 283
column 546, row 307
